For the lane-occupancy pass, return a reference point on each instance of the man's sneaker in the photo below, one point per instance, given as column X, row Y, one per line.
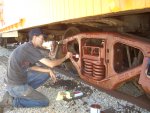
column 7, row 100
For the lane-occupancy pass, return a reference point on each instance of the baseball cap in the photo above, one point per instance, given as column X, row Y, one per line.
column 36, row 32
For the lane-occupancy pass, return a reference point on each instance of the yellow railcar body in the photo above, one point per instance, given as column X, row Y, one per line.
column 70, row 9
column 39, row 12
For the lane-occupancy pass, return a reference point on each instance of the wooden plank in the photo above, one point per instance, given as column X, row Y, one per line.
column 89, row 7
column 147, row 3
column 97, row 9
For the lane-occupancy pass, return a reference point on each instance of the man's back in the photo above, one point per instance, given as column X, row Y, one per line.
column 20, row 60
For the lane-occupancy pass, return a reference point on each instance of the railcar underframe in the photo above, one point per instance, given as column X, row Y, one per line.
column 108, row 59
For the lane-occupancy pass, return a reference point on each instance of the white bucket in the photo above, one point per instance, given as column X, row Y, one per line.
column 95, row 108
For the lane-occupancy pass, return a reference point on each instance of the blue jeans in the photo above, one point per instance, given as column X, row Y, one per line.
column 26, row 95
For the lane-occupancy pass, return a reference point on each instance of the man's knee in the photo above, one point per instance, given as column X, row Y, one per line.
column 46, row 103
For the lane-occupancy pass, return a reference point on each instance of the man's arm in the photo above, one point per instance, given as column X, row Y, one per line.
column 40, row 69
column 53, row 63
column 45, row 70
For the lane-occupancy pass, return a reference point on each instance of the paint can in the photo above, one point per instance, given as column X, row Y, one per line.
column 95, row 108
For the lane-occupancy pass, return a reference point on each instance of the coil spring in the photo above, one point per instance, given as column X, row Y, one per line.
column 97, row 71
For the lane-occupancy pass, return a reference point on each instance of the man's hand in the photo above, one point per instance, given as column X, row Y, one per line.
column 68, row 55
column 53, row 76
column 55, row 62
